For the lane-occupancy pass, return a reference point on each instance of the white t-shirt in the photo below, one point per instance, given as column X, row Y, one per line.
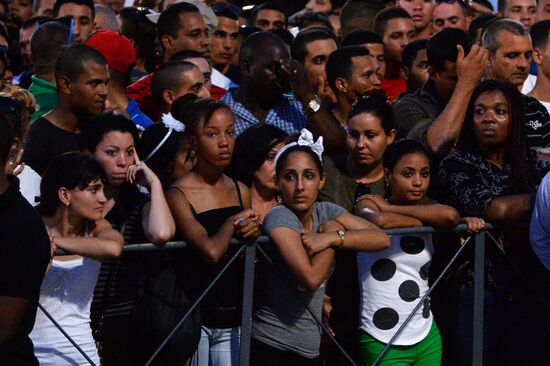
column 528, row 84
column 391, row 282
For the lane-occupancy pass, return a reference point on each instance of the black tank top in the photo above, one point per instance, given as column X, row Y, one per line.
column 221, row 307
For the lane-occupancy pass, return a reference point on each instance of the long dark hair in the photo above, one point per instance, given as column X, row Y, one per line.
column 251, row 149
column 517, row 154
column 70, row 170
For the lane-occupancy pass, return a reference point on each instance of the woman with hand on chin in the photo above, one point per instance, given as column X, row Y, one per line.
column 111, row 140
column 72, row 207
column 305, row 234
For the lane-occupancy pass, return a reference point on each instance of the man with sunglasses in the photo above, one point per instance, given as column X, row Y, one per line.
column 451, row 14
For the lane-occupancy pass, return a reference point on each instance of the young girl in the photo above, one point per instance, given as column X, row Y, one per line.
column 393, row 280
column 72, row 206
column 210, row 209
column 305, row 234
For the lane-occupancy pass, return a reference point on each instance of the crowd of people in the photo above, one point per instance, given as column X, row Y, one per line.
column 315, row 123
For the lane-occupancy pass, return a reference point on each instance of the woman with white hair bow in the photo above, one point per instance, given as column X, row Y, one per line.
column 305, row 234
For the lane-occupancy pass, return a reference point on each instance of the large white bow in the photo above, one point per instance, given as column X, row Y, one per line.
column 305, row 139
column 170, row 122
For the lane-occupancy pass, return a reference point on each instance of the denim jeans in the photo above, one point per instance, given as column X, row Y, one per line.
column 217, row 347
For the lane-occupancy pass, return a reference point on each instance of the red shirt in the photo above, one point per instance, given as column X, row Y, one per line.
column 393, row 87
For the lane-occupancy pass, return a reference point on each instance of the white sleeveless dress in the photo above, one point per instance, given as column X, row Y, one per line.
column 66, row 293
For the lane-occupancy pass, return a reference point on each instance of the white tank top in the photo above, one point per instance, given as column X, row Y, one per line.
column 66, row 293
column 392, row 281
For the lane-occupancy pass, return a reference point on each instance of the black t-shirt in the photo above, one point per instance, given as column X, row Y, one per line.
column 25, row 253
column 45, row 141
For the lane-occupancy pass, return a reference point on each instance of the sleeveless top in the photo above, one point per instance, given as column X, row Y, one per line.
column 221, row 307
column 392, row 281
column 66, row 293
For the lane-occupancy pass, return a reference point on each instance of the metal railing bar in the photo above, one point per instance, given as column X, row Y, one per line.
column 479, row 300
column 248, row 294
column 49, row 316
column 195, row 304
column 421, row 302
column 318, row 321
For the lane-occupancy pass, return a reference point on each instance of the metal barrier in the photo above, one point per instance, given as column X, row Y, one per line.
column 250, row 248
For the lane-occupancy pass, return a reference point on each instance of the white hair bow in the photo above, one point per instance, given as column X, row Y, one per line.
column 305, row 139
column 171, row 124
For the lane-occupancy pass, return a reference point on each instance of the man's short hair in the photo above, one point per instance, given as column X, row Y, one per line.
column 59, row 3
column 360, row 37
column 482, row 21
column 110, row 16
column 6, row 140
column 298, row 49
column 31, row 22
column 359, row 15
column 540, row 32
column 185, row 54
column 168, row 77
column 442, row 47
column 382, row 19
column 490, row 36
column 270, row 5
column 461, row 4
column 411, row 51
column 71, row 62
column 308, row 18
column 169, row 21
column 257, row 41
column 47, row 43
column 226, row 12
column 339, row 64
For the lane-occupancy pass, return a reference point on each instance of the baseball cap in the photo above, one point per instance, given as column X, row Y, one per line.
column 117, row 49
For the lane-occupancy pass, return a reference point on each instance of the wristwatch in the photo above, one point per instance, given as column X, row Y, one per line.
column 342, row 236
column 313, row 106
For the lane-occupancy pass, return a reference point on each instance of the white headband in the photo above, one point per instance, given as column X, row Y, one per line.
column 305, row 139
column 173, row 125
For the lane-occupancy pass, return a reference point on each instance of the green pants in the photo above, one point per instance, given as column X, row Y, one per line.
column 425, row 353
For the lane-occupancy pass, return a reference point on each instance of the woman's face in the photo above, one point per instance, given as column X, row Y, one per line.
column 410, row 178
column 87, row 203
column 366, row 140
column 115, row 152
column 265, row 175
column 299, row 181
column 215, row 141
column 491, row 119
